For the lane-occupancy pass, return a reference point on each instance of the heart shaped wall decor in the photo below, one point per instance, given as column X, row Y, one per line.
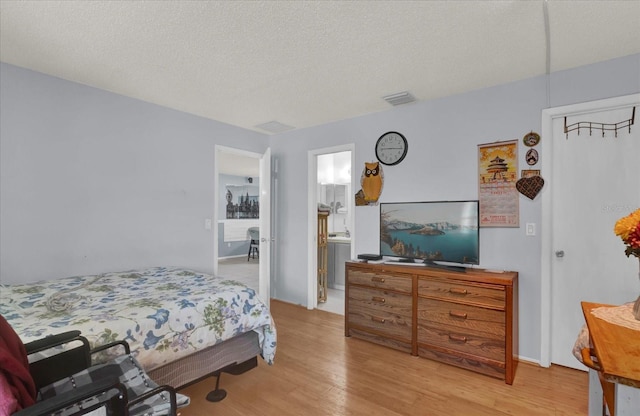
column 530, row 186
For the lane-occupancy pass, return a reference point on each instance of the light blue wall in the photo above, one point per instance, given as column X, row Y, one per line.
column 92, row 181
column 441, row 164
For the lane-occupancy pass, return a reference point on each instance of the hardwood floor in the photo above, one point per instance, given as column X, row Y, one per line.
column 318, row 371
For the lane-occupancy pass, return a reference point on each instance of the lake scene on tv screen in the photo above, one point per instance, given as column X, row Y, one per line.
column 435, row 231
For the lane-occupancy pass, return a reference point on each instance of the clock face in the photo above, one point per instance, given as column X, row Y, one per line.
column 391, row 148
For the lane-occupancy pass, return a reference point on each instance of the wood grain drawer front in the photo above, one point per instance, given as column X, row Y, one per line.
column 492, row 296
column 381, row 300
column 463, row 361
column 463, row 318
column 451, row 339
column 398, row 282
column 388, row 323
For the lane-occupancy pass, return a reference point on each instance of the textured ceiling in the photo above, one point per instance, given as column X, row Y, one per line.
column 307, row 63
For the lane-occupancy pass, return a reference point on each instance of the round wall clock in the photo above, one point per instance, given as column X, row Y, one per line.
column 391, row 148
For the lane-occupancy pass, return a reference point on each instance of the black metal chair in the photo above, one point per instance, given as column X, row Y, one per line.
column 254, row 244
column 68, row 382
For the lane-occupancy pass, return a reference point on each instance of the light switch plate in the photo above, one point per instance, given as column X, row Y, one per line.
column 531, row 229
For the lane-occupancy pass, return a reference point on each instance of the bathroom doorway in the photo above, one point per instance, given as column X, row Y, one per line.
column 330, row 192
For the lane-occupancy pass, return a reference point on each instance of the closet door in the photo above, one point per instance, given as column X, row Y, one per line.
column 594, row 182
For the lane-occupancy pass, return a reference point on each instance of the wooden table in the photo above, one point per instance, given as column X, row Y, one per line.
column 616, row 370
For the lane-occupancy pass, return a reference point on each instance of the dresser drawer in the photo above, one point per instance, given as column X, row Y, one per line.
column 470, row 342
column 462, row 318
column 464, row 361
column 380, row 300
column 384, row 322
column 460, row 291
column 381, row 280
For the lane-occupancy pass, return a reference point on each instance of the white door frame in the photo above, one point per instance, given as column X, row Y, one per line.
column 546, row 257
column 312, row 216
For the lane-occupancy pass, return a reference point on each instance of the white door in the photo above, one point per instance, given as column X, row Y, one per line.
column 264, row 289
column 595, row 181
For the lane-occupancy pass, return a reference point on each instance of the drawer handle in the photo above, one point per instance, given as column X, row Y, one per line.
column 378, row 299
column 457, row 291
column 457, row 338
column 379, row 320
column 377, row 279
column 460, row 315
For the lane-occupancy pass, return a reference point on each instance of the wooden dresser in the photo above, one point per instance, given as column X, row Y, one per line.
column 468, row 319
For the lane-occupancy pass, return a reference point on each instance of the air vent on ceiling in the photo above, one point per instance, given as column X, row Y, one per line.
column 400, row 98
column 274, row 127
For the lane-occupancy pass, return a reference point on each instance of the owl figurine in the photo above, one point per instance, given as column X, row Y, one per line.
column 372, row 181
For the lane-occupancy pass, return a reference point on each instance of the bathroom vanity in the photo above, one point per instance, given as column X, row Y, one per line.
column 339, row 254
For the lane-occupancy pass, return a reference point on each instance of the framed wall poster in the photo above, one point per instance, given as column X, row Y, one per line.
column 243, row 201
column 497, row 177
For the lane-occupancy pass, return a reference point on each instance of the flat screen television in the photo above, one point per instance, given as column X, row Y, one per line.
column 437, row 231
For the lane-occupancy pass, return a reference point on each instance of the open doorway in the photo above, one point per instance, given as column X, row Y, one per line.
column 331, row 210
column 237, row 215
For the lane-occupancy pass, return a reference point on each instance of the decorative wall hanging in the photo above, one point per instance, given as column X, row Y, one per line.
column 497, row 176
column 530, row 186
column 532, row 157
column 243, row 201
column 531, row 139
column 600, row 126
column 527, row 173
column 372, row 182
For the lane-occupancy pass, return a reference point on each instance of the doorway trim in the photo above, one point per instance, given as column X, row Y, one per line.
column 312, row 215
column 546, row 256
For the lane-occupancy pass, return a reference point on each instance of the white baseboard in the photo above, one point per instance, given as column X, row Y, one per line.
column 232, row 257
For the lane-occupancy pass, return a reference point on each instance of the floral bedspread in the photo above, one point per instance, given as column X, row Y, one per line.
column 163, row 313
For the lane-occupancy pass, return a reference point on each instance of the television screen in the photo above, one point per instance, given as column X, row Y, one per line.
column 446, row 231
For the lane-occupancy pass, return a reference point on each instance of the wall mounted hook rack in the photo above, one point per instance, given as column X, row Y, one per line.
column 600, row 126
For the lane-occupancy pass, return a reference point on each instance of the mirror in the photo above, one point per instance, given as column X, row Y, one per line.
column 340, row 199
column 335, row 196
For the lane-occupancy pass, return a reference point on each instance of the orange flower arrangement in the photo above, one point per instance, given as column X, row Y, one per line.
column 628, row 229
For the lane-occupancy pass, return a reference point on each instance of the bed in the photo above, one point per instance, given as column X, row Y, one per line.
column 182, row 325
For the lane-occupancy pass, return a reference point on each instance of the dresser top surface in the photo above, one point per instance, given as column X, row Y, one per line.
column 469, row 274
